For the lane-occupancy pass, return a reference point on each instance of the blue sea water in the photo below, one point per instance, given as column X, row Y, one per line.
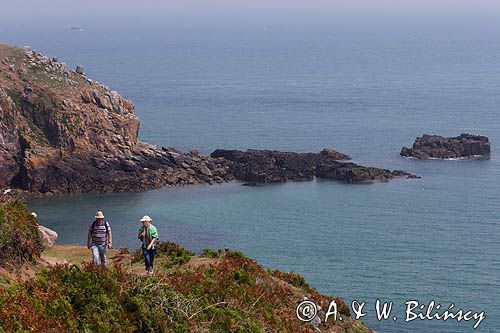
column 363, row 85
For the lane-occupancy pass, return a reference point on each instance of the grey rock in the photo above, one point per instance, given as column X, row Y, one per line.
column 438, row 147
column 203, row 169
column 266, row 166
column 22, row 72
column 79, row 69
column 49, row 236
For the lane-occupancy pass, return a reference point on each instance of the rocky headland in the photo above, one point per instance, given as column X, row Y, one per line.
column 438, row 147
column 62, row 132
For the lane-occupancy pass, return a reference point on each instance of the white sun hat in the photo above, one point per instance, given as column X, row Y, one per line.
column 99, row 215
column 146, row 218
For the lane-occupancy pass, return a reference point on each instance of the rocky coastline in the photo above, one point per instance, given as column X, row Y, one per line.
column 62, row 132
column 438, row 147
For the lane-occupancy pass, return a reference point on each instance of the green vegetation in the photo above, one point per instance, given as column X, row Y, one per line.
column 232, row 295
column 170, row 255
column 294, row 279
column 19, row 238
column 16, row 55
column 15, row 96
column 223, row 291
column 209, row 253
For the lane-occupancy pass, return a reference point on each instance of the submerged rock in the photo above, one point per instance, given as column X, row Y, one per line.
column 438, row 147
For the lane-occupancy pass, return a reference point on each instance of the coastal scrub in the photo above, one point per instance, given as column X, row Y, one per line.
column 20, row 241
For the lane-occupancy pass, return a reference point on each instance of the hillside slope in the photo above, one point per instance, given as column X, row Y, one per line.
column 218, row 291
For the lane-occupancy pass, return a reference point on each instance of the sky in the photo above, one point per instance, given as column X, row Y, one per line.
column 19, row 15
column 74, row 8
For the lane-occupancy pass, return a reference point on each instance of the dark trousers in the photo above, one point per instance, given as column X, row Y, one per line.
column 149, row 257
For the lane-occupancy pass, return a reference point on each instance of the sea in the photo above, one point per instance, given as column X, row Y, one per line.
column 363, row 84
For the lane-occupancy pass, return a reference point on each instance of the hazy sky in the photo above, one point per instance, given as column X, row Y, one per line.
column 75, row 8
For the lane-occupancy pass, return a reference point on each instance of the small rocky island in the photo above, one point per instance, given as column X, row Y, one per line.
column 438, row 147
column 62, row 132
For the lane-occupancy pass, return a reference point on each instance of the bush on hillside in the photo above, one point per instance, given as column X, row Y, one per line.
column 233, row 294
column 20, row 241
column 174, row 254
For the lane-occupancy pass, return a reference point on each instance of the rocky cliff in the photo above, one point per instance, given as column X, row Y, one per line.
column 63, row 132
column 438, row 147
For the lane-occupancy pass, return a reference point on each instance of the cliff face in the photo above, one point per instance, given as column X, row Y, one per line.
column 62, row 132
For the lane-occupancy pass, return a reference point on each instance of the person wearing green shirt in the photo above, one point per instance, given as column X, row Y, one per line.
column 148, row 234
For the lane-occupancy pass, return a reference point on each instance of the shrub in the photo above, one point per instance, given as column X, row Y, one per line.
column 294, row 279
column 235, row 254
column 231, row 295
column 20, row 241
column 172, row 254
column 209, row 253
column 67, row 299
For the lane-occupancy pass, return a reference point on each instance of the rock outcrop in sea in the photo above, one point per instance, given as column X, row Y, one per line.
column 266, row 166
column 438, row 147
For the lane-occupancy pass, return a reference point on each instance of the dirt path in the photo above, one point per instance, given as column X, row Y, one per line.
column 76, row 255
column 63, row 254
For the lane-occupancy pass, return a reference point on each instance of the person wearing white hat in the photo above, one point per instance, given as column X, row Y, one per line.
column 99, row 239
column 149, row 235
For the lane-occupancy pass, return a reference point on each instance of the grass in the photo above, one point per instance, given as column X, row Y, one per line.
column 170, row 255
column 39, row 75
column 71, row 254
column 15, row 95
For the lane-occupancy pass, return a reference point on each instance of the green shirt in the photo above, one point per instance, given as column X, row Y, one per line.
column 151, row 233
